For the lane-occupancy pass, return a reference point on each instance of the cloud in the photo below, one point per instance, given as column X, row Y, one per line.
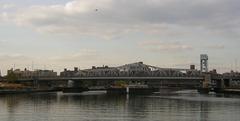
column 217, row 47
column 3, row 41
column 164, row 46
column 84, row 55
column 7, row 5
column 6, row 57
column 83, row 6
column 120, row 17
column 4, row 16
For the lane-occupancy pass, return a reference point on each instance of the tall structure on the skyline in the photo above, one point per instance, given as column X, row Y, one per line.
column 204, row 62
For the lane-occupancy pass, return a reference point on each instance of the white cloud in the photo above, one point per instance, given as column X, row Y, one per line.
column 185, row 21
column 120, row 17
column 164, row 46
column 3, row 16
column 12, row 57
column 83, row 6
column 3, row 41
column 84, row 55
column 218, row 47
column 7, row 5
column 84, row 59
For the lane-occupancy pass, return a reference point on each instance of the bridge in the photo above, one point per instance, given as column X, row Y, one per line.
column 110, row 78
column 132, row 74
column 191, row 82
column 128, row 74
column 80, row 84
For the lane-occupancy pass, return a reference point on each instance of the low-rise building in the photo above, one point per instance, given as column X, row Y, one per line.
column 44, row 73
column 69, row 73
column 32, row 74
column 102, row 71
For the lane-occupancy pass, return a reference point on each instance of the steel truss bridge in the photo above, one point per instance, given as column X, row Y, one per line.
column 135, row 72
column 129, row 73
column 111, row 78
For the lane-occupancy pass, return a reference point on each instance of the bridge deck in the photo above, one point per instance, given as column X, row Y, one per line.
column 113, row 78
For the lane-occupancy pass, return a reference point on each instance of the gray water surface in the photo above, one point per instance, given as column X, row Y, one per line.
column 98, row 106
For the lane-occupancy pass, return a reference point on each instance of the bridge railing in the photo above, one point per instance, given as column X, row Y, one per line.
column 110, row 78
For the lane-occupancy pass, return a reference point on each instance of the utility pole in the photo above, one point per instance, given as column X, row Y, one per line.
column 32, row 66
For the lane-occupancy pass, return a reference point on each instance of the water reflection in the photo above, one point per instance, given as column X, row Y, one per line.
column 185, row 106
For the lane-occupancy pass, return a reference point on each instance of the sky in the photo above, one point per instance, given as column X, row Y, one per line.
column 58, row 34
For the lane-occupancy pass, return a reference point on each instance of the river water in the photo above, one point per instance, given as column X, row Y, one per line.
column 98, row 106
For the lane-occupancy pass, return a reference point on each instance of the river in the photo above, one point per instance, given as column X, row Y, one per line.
column 98, row 106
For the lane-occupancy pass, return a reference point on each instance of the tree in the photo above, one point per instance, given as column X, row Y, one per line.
column 120, row 83
column 11, row 77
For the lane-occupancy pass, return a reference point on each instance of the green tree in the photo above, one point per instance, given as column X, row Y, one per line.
column 120, row 83
column 11, row 77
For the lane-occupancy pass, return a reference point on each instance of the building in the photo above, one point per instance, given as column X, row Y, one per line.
column 32, row 74
column 69, row 73
column 104, row 71
column 44, row 73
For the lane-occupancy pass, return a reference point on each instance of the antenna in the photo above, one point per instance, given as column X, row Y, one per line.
column 32, row 65
column 235, row 65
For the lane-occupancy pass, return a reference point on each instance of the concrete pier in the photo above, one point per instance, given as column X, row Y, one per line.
column 128, row 90
column 205, row 84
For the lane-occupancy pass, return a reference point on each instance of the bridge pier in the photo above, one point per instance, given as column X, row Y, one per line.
column 74, row 87
column 131, row 90
column 101, row 83
column 35, row 84
column 205, row 84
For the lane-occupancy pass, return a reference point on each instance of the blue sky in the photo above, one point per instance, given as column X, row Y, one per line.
column 167, row 33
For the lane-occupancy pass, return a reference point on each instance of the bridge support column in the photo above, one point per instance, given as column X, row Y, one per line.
column 222, row 86
column 207, row 80
column 35, row 84
column 205, row 84
column 70, row 83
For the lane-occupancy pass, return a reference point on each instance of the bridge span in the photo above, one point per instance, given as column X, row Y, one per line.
column 111, row 78
column 133, row 73
column 79, row 83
